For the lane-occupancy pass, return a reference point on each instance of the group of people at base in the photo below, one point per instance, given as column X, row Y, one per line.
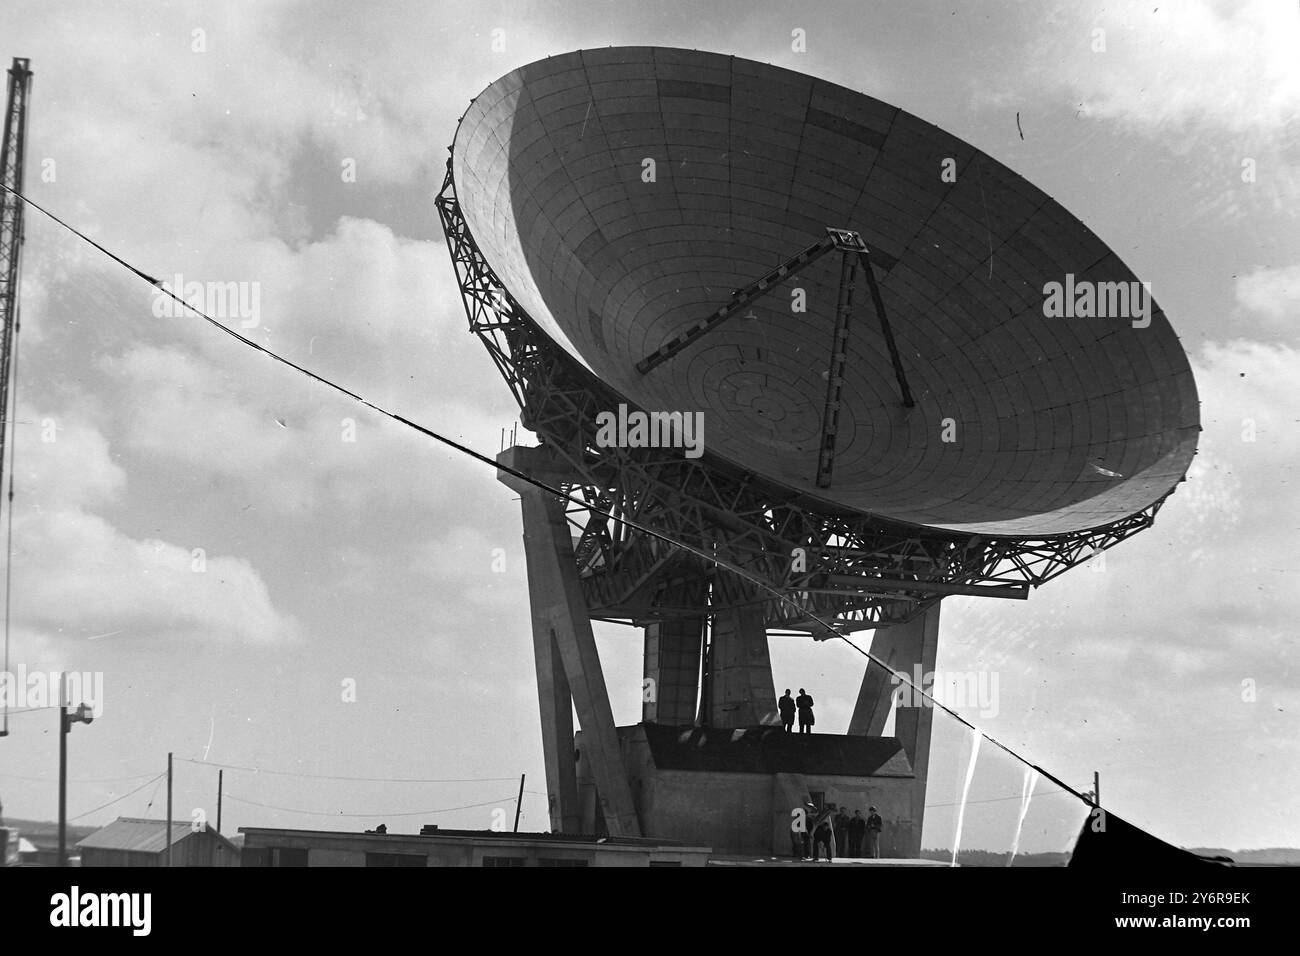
column 840, row 834
column 803, row 705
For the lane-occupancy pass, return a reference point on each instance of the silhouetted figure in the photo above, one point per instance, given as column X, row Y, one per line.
column 787, row 708
column 841, row 826
column 805, row 705
column 824, row 835
column 874, row 826
column 857, row 830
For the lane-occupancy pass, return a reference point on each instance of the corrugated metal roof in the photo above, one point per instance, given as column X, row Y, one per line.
column 136, row 835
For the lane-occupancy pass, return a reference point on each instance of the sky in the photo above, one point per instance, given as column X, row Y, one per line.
column 273, row 579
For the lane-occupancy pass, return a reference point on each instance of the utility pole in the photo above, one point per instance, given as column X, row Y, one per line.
column 63, row 781
column 169, row 808
column 220, row 775
column 1094, row 795
column 519, row 802
column 66, row 720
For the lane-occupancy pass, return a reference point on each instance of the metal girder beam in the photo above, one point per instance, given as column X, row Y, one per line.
column 643, row 578
column 835, row 372
column 853, row 583
column 739, row 299
column 886, row 330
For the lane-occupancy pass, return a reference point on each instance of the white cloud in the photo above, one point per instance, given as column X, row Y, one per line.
column 75, row 575
column 1273, row 294
column 1216, row 85
column 478, row 567
column 63, row 463
column 362, row 282
column 376, row 313
column 1230, row 65
column 82, row 577
column 295, row 445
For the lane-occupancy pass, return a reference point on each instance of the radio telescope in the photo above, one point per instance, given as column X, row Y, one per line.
column 917, row 376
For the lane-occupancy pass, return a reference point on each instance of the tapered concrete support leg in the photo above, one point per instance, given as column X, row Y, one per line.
column 560, row 620
column 902, row 647
column 588, row 811
column 672, row 671
column 556, row 704
column 741, row 693
column 909, row 648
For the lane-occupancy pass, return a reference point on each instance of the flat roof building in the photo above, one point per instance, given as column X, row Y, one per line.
column 265, row 846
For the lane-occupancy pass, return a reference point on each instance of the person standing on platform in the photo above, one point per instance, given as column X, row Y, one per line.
column 857, row 830
column 874, row 826
column 824, row 835
column 841, row 826
column 805, row 705
column 787, row 708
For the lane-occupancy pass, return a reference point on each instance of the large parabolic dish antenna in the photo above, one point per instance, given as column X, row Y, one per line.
column 1054, row 423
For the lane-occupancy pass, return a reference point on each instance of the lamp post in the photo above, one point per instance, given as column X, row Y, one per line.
column 66, row 720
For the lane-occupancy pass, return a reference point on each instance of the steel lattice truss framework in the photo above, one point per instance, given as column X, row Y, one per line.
column 12, row 150
column 853, row 571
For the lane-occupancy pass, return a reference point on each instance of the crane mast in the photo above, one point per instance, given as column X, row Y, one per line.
column 12, row 150
column 11, row 231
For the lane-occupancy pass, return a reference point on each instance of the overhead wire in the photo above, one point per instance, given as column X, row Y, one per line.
column 152, row 797
column 135, row 776
column 411, row 813
column 1040, row 793
column 714, row 559
column 322, row 776
column 118, row 799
